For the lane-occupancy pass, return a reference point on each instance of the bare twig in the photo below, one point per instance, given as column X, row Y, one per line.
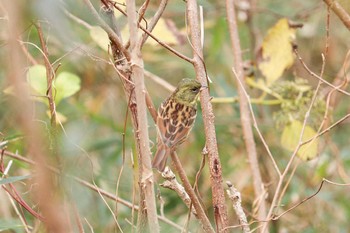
column 159, row 81
column 319, row 77
column 196, row 204
column 341, row 80
column 244, row 109
column 274, row 218
column 155, row 19
column 327, row 129
column 111, row 34
column 76, row 19
column 171, row 183
column 152, row 110
column 123, row 159
column 339, row 11
column 256, row 124
column 324, row 180
column 90, row 186
column 278, row 192
column 235, row 197
column 142, row 10
column 28, row 55
column 13, row 194
column 77, row 219
column 180, row 55
column 50, row 76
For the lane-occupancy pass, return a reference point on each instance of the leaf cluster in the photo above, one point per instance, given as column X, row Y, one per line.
column 297, row 97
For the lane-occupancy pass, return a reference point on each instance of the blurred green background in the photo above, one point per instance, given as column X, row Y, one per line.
column 91, row 136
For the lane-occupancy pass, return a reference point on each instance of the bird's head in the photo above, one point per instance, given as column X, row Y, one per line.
column 187, row 91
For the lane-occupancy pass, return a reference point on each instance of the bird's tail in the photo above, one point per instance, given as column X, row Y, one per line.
column 160, row 157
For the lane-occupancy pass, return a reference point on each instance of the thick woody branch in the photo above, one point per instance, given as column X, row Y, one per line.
column 218, row 194
column 339, row 11
column 145, row 168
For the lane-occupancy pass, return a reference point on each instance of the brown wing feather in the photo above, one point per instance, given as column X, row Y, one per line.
column 174, row 123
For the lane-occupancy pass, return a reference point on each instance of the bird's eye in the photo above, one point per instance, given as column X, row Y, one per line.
column 194, row 89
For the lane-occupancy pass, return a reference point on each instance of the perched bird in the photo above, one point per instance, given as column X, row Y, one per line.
column 176, row 116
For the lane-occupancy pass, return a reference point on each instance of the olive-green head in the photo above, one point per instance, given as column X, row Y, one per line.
column 187, row 91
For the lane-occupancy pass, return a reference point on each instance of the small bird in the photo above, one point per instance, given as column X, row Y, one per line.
column 176, row 116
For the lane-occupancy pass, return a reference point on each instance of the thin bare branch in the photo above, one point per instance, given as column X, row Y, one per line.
column 180, row 55
column 235, row 197
column 278, row 192
column 155, row 19
column 111, row 34
column 76, row 19
column 309, row 197
column 171, row 183
column 327, row 129
column 255, row 123
column 50, row 76
column 90, row 186
column 317, row 76
column 196, row 204
column 244, row 109
column 160, row 81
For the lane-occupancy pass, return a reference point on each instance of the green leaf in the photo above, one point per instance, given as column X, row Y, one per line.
column 14, row 179
column 290, row 138
column 36, row 77
column 66, row 84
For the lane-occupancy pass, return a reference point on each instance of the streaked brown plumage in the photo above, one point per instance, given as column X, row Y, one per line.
column 176, row 117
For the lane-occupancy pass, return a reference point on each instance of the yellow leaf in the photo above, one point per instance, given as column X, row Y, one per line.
column 290, row 138
column 161, row 31
column 100, row 37
column 277, row 54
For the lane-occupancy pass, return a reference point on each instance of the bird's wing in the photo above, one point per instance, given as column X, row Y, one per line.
column 174, row 124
